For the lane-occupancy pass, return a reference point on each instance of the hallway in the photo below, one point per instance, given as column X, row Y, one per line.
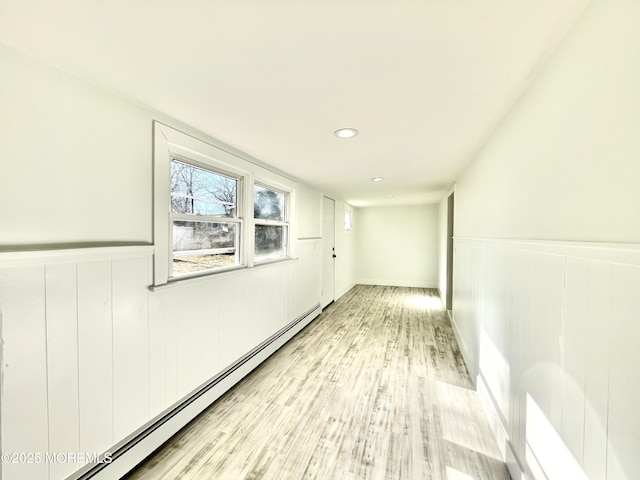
column 374, row 388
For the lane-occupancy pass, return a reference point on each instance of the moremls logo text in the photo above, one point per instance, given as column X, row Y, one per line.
column 55, row 457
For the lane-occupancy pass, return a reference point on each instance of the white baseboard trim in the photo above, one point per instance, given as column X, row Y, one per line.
column 499, row 432
column 464, row 350
column 398, row 283
column 344, row 290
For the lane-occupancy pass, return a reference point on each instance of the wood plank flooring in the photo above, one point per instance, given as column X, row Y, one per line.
column 374, row 388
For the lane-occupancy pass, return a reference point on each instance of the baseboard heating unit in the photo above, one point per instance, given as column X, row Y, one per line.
column 127, row 454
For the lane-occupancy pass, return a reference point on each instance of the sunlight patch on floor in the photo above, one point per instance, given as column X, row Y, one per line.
column 453, row 474
column 425, row 302
column 461, row 424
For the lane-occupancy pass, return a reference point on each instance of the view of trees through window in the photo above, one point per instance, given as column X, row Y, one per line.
column 197, row 195
column 201, row 192
column 206, row 224
column 215, row 211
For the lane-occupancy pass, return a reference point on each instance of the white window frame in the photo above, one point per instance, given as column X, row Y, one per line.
column 169, row 144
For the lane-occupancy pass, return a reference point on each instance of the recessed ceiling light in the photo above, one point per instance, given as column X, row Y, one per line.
column 346, row 132
column 377, row 179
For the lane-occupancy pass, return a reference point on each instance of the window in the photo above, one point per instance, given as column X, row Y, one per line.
column 205, row 226
column 210, row 213
column 348, row 225
column 271, row 228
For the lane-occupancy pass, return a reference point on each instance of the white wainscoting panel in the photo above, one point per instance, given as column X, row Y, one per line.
column 130, row 329
column 159, row 363
column 90, row 355
column 596, row 382
column 542, row 377
column 95, row 355
column 62, row 363
column 623, row 451
column 552, row 329
column 24, row 369
column 576, row 320
column 468, row 290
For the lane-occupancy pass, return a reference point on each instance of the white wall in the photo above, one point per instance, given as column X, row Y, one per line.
column 76, row 163
column 550, row 327
column 309, row 212
column 89, row 353
column 564, row 164
column 346, row 251
column 398, row 245
column 310, row 226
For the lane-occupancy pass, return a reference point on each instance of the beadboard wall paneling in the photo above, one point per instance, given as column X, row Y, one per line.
column 95, row 355
column 623, row 423
column 62, row 363
column 551, row 330
column 130, row 330
column 90, row 355
column 24, row 369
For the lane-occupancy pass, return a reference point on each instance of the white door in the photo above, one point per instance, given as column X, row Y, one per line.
column 328, row 251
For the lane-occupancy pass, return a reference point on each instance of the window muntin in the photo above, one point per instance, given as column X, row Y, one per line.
column 271, row 228
column 206, row 231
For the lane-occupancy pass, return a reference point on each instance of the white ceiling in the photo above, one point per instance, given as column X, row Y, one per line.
column 424, row 81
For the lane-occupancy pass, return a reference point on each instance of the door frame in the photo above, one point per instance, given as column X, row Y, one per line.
column 450, row 210
column 326, row 298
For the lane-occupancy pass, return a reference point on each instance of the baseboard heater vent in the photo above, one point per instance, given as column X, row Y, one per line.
column 126, row 445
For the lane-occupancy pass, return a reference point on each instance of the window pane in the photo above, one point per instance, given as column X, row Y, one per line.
column 201, row 192
column 271, row 242
column 347, row 220
column 268, row 204
column 204, row 245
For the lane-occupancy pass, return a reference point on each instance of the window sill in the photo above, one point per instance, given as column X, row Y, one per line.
column 269, row 261
column 214, row 275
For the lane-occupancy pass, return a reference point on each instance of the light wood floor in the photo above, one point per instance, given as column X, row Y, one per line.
column 374, row 388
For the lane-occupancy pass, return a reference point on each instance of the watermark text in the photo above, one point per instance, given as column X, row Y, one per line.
column 25, row 458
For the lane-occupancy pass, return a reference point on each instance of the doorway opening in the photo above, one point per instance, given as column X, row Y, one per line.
column 449, row 299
